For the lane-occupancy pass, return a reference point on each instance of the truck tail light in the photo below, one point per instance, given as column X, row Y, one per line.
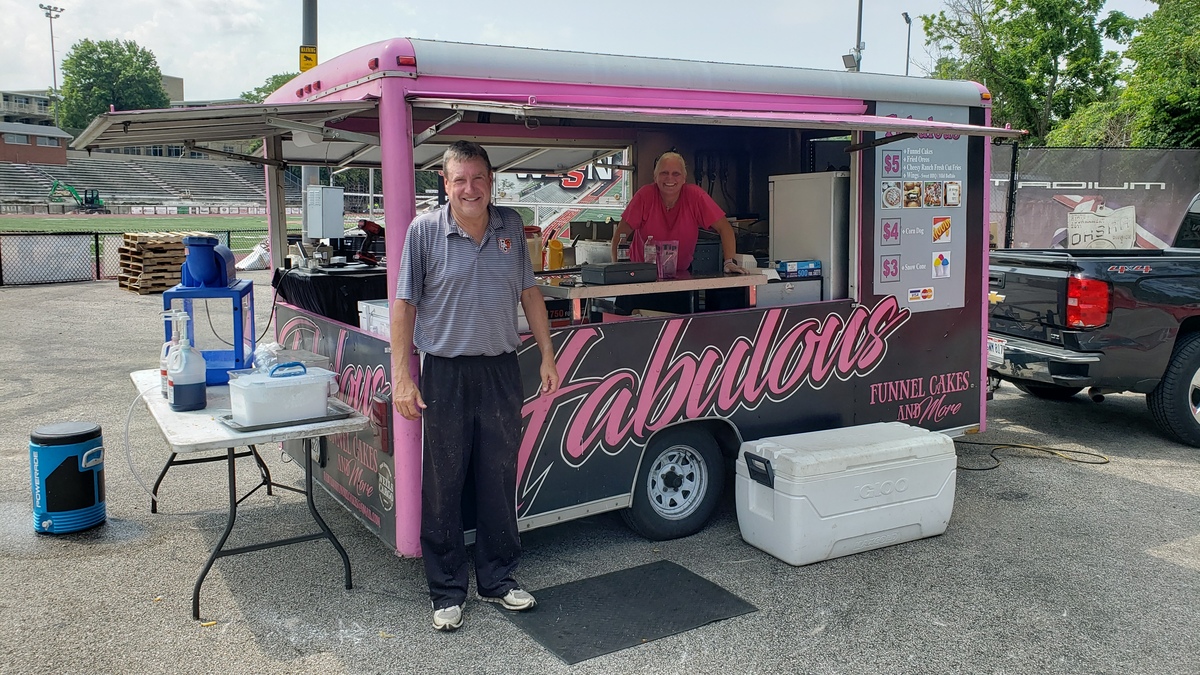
column 1088, row 302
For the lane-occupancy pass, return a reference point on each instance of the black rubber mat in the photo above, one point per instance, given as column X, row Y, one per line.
column 591, row 617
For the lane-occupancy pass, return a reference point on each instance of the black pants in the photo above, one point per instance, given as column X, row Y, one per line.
column 472, row 419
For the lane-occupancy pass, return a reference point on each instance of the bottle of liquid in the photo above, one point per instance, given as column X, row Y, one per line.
column 554, row 254
column 186, row 372
column 649, row 251
column 166, row 351
column 623, row 249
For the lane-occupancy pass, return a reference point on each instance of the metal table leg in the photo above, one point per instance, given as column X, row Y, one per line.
column 312, row 508
column 216, row 552
column 161, row 475
column 219, row 551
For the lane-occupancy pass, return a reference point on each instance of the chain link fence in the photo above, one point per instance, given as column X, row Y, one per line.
column 28, row 258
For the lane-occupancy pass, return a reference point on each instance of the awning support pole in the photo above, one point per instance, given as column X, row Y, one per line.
column 276, row 205
column 275, row 161
column 881, row 141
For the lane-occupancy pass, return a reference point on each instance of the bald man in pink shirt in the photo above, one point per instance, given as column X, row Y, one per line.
column 670, row 208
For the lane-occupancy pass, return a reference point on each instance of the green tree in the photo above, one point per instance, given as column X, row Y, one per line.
column 1164, row 91
column 1041, row 59
column 115, row 73
column 1161, row 105
column 270, row 86
column 1100, row 124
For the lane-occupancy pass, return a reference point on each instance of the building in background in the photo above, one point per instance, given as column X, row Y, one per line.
column 23, row 143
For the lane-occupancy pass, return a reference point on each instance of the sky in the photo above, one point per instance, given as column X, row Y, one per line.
column 224, row 47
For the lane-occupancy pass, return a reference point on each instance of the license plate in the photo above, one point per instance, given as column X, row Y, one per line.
column 995, row 354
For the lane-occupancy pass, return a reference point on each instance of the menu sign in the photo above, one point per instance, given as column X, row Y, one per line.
column 920, row 242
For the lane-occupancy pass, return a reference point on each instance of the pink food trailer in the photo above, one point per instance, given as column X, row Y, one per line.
column 866, row 195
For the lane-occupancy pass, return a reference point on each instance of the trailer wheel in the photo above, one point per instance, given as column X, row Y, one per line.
column 678, row 485
column 1175, row 402
column 1049, row 392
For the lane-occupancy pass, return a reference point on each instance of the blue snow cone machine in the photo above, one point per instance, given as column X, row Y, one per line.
column 66, row 467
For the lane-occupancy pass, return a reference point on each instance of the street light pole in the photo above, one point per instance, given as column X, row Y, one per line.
column 908, row 47
column 858, row 43
column 53, row 13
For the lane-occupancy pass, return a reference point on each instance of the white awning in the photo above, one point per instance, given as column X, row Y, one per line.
column 310, row 137
column 217, row 123
column 744, row 118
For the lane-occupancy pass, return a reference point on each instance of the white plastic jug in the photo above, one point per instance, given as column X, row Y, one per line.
column 186, row 371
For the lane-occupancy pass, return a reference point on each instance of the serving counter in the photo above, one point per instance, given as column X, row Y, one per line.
column 332, row 293
column 578, row 293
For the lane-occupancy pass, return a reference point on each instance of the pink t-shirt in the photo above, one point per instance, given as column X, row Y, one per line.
column 649, row 218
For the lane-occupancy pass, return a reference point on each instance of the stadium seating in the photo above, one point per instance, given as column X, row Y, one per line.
column 141, row 180
column 20, row 182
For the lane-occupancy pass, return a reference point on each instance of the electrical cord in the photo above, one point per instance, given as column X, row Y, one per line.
column 270, row 319
column 1057, row 452
column 129, row 459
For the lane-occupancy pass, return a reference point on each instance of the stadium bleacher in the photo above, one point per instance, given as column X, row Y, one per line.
column 141, row 180
column 18, row 181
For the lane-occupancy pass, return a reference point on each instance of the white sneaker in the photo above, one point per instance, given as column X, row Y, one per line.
column 516, row 600
column 448, row 618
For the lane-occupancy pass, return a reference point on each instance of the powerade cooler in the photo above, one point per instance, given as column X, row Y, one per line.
column 66, row 466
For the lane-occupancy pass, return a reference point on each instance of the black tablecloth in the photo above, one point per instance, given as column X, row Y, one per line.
column 333, row 295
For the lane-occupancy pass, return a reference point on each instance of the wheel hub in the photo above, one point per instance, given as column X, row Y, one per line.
column 677, row 482
column 1194, row 396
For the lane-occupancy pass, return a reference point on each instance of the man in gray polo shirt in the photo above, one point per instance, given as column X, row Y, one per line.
column 465, row 267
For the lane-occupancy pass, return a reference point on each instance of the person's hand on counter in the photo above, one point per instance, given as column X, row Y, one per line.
column 732, row 267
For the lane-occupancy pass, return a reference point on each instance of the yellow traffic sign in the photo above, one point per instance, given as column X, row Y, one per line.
column 308, row 57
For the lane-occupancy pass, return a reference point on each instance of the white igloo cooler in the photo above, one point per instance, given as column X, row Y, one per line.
column 809, row 497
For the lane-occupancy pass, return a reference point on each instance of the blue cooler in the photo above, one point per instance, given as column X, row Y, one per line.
column 66, row 465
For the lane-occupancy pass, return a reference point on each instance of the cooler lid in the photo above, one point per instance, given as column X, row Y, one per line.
column 65, row 433
column 245, row 379
column 837, row 450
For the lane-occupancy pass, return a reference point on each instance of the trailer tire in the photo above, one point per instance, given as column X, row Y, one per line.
column 678, row 485
column 1175, row 402
column 1049, row 392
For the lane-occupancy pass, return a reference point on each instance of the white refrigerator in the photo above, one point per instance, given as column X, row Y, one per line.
column 810, row 220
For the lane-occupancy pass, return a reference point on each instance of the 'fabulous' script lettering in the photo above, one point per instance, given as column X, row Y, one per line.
column 628, row 404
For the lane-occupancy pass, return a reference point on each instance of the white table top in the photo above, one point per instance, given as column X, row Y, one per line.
column 199, row 430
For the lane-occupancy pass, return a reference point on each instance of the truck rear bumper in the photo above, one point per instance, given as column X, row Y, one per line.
column 1040, row 362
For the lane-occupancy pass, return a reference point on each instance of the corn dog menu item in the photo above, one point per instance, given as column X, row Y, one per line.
column 941, row 229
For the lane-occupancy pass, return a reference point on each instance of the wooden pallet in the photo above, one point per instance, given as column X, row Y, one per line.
column 148, row 282
column 135, row 252
column 133, row 239
column 152, row 265
column 151, row 262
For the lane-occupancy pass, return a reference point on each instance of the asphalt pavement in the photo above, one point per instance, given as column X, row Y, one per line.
column 1048, row 566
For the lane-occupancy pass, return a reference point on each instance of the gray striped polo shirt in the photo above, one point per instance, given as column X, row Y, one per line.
column 466, row 295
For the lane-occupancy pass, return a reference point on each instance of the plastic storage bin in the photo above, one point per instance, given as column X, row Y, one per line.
column 374, row 316
column 809, row 497
column 289, row 392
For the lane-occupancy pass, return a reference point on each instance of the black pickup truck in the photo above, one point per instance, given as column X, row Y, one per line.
column 1108, row 321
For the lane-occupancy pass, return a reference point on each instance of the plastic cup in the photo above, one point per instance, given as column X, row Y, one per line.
column 667, row 258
